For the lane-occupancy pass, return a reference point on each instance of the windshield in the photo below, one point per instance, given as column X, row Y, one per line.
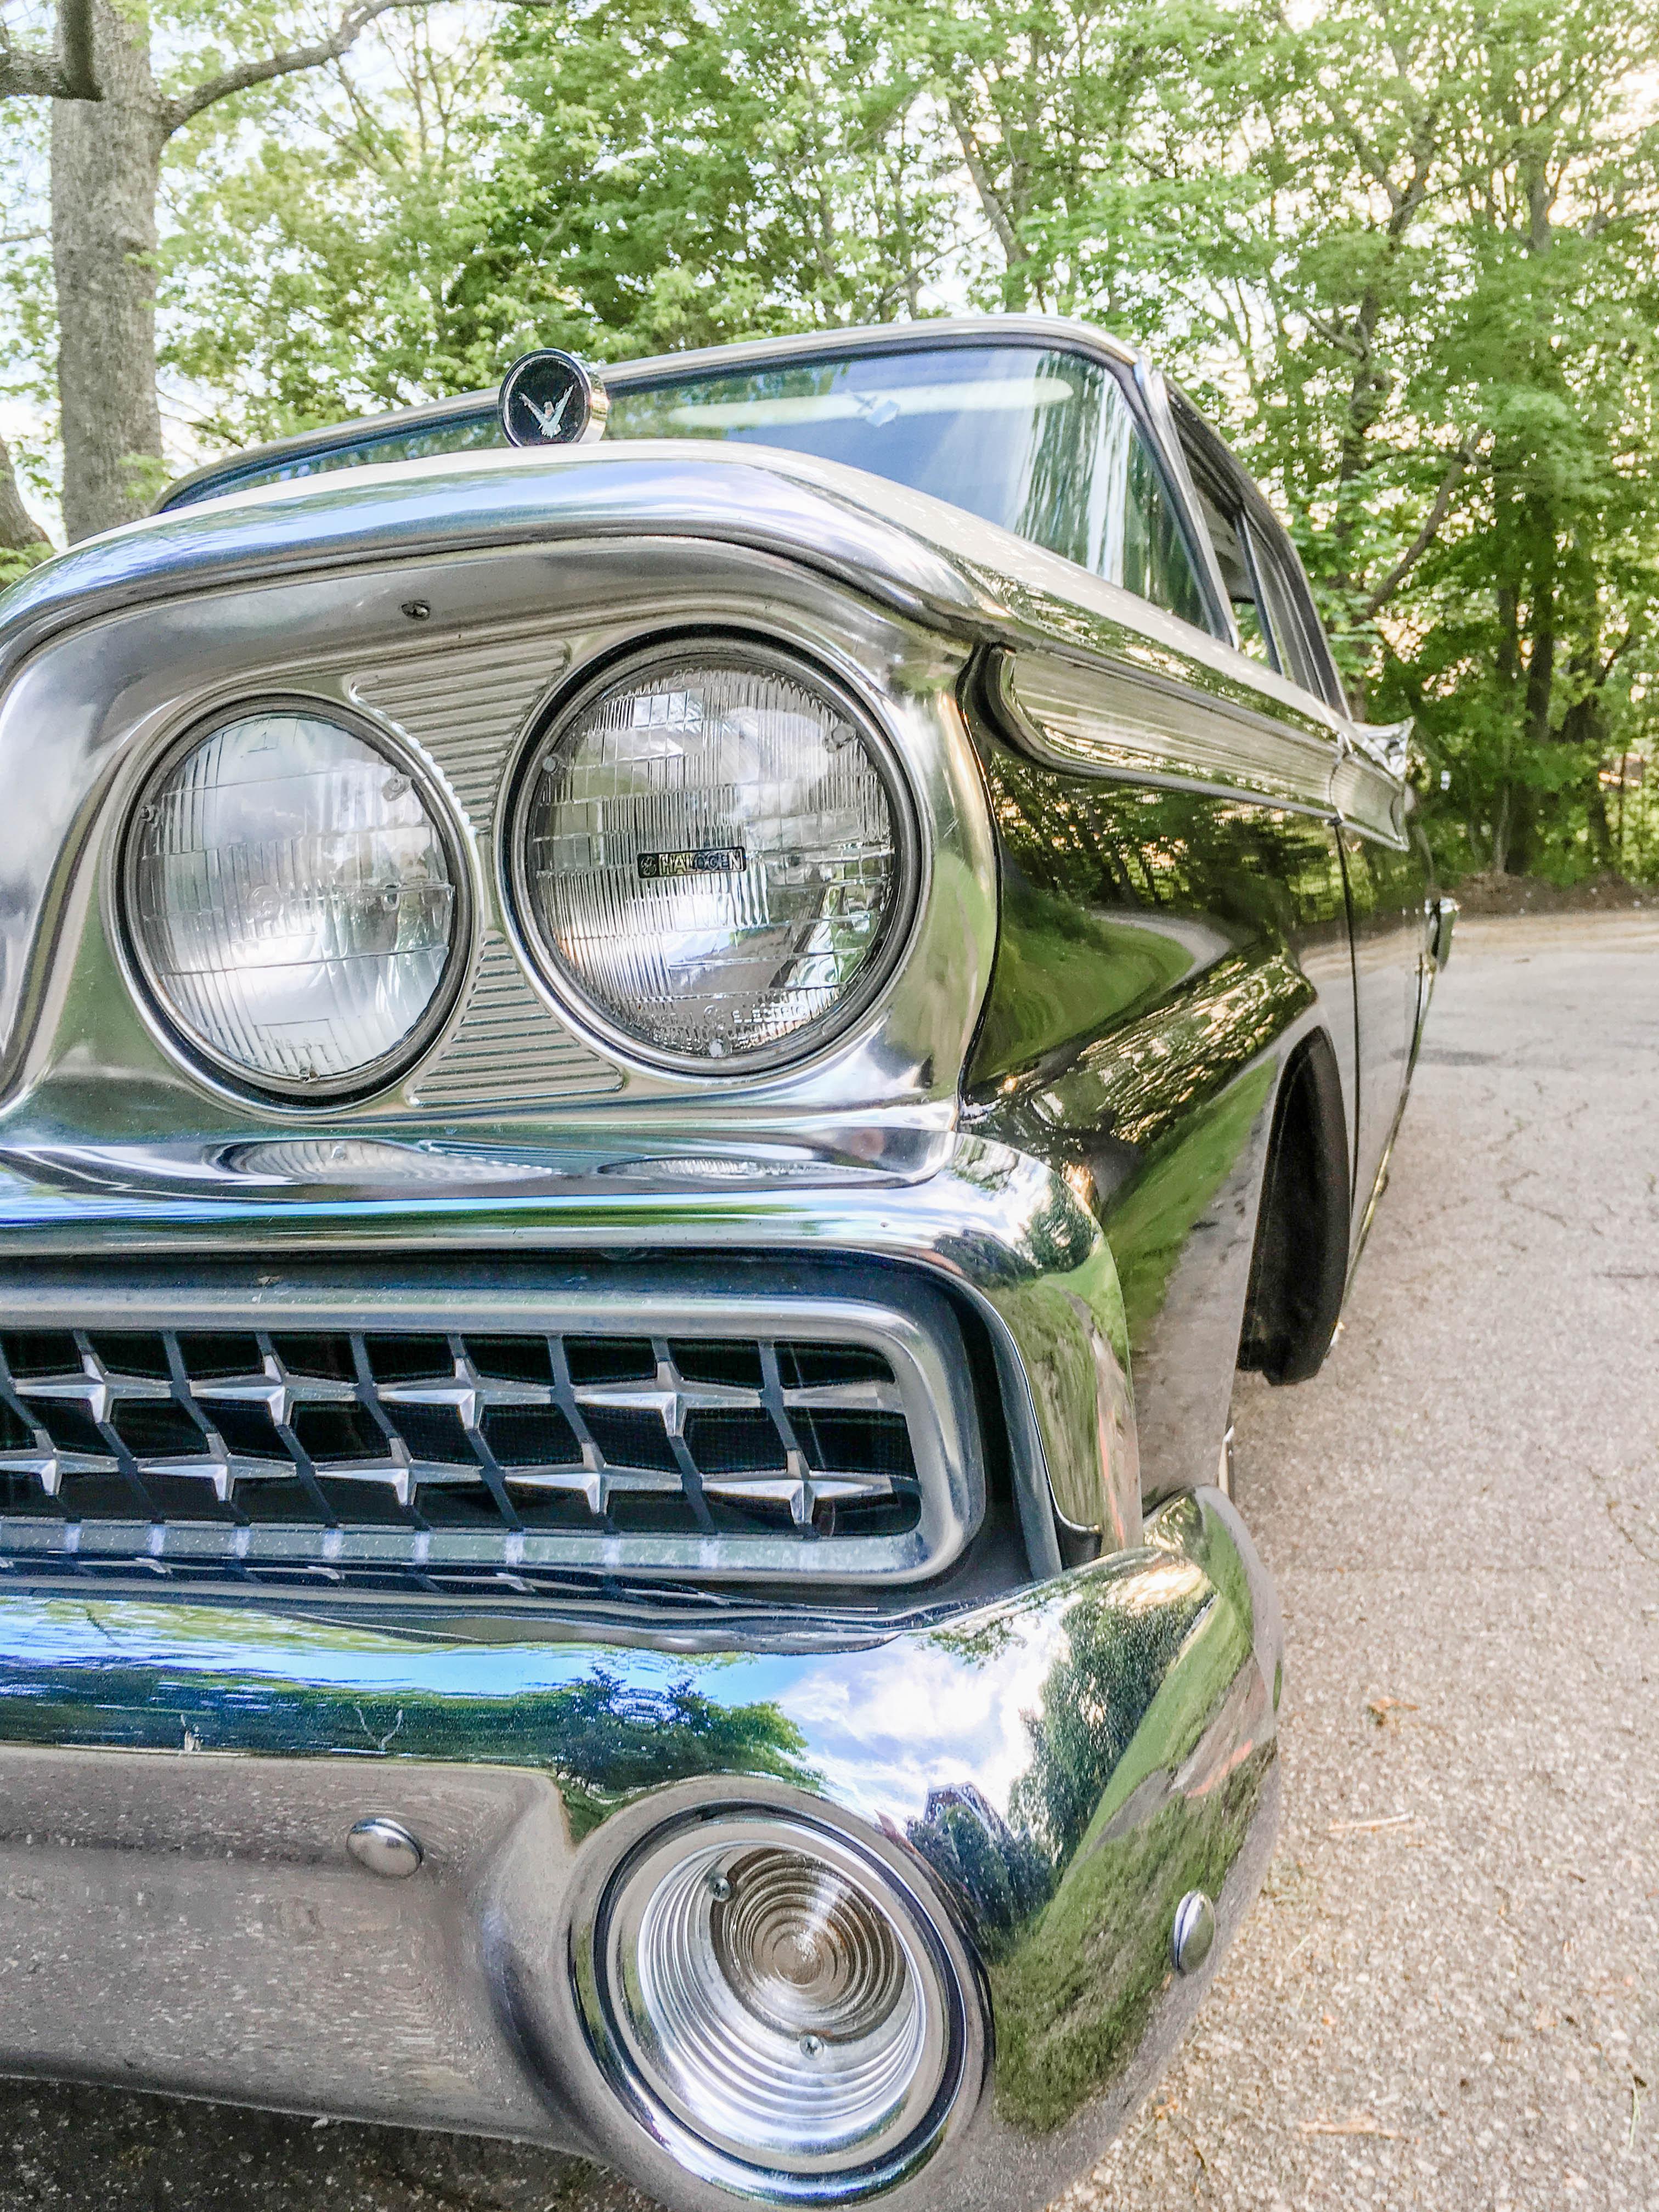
column 1042, row 442
column 1037, row 440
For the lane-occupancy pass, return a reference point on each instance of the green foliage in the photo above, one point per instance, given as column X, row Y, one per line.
column 329, row 260
column 702, row 171
column 15, row 562
column 1408, row 253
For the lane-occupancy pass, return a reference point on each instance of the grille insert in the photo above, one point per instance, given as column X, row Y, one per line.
column 337, row 1453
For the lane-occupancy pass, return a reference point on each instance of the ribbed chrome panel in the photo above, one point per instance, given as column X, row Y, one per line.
column 467, row 707
column 507, row 1050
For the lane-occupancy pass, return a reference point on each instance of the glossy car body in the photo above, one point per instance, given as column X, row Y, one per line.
column 1113, row 1127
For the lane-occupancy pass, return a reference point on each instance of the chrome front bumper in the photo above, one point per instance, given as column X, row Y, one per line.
column 179, row 1909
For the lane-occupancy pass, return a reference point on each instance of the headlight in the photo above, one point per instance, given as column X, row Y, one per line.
column 779, row 1994
column 713, row 854
column 294, row 902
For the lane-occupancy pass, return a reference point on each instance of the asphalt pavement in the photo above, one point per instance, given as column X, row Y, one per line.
column 1448, row 1996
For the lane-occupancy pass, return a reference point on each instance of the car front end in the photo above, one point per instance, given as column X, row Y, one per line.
column 574, row 1553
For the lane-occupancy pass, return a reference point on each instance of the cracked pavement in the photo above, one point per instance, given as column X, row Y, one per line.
column 1446, row 1996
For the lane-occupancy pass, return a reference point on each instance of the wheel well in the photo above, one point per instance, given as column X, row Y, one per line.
column 1299, row 1266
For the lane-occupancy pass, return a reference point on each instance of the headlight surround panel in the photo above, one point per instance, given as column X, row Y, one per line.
column 713, row 811
column 375, row 873
column 462, row 702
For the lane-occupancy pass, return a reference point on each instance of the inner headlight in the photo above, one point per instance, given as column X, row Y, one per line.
column 779, row 1994
column 713, row 853
column 294, row 902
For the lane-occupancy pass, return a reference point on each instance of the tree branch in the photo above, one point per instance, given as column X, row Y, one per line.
column 74, row 44
column 18, row 528
column 32, row 73
column 1618, row 653
column 174, row 113
column 1461, row 459
column 989, row 199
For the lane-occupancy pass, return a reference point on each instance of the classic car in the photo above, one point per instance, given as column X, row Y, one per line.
column 653, row 1086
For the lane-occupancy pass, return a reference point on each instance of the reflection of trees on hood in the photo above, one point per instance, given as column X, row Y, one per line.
column 997, row 1879
column 1093, row 1702
column 603, row 1735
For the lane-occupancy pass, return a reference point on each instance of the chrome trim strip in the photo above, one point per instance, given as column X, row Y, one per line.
column 1114, row 721
column 1369, row 796
column 1156, row 398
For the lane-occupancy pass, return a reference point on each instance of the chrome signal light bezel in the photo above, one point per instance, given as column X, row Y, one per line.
column 631, row 2115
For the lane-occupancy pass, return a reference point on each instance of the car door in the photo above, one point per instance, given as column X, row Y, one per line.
column 1384, row 874
column 1273, row 612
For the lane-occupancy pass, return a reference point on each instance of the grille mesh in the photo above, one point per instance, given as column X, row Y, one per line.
column 278, row 1453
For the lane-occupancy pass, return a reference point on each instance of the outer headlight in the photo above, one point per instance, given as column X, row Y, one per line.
column 294, row 902
column 714, row 854
column 775, row 1990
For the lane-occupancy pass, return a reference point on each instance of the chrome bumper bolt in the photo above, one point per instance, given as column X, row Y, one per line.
column 384, row 1847
column 1194, row 1932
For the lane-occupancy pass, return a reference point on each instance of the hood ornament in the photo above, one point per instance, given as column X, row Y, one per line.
column 548, row 397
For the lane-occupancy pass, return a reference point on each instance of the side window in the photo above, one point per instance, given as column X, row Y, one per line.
column 1224, row 520
column 1270, row 598
column 1302, row 653
column 1134, row 537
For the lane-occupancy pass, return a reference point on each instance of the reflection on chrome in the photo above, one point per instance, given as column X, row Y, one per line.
column 1048, row 1777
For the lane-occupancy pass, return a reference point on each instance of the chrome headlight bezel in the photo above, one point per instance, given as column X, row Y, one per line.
column 812, row 1040
column 198, row 1053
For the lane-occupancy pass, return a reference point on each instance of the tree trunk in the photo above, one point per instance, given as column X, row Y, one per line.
column 105, row 174
column 18, row 529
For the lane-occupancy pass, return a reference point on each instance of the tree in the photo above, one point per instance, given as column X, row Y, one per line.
column 335, row 261
column 105, row 174
column 32, row 72
column 35, row 72
column 624, row 179
column 701, row 172
column 19, row 533
column 1407, row 252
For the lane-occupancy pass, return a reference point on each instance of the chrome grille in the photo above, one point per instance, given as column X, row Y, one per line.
column 335, row 1451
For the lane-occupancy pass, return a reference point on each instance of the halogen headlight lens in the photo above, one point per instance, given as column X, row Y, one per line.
column 779, row 1994
column 294, row 902
column 713, row 854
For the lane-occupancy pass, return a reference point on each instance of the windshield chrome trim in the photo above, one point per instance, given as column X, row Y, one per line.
column 868, row 338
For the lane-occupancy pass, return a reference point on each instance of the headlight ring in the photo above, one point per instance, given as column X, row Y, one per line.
column 714, row 856
column 294, row 900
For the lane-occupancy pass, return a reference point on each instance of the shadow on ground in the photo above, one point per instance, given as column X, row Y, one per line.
column 69, row 2149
